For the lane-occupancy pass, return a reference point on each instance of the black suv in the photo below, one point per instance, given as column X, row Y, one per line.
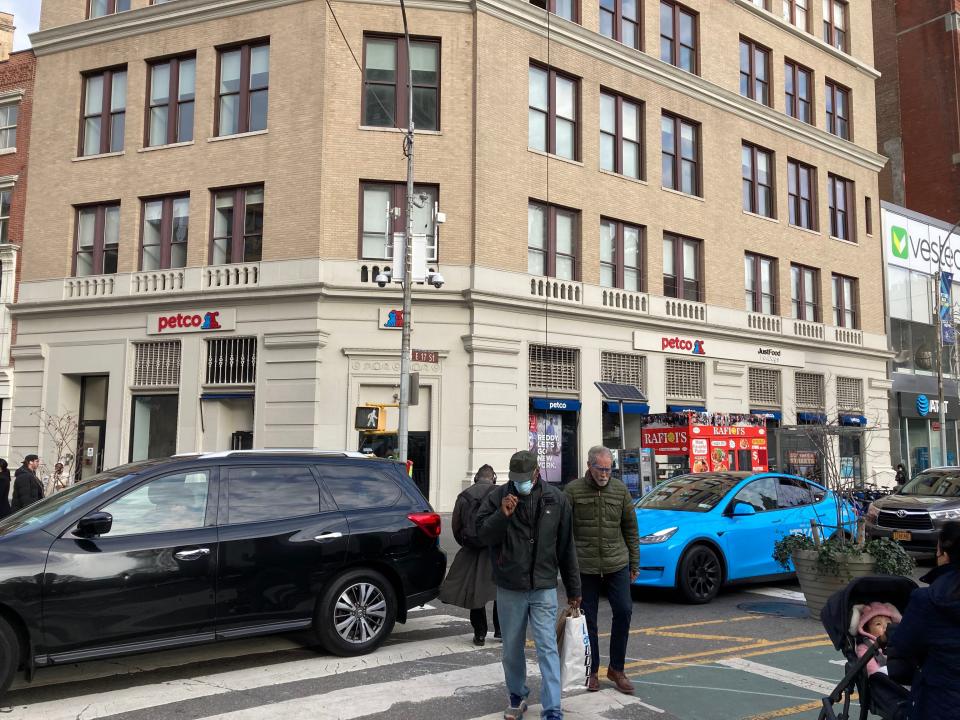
column 198, row 548
column 917, row 511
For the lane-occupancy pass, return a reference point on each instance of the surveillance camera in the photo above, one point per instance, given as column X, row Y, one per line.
column 382, row 279
column 436, row 279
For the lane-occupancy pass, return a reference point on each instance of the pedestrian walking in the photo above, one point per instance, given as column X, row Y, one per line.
column 469, row 583
column 608, row 554
column 527, row 524
column 27, row 488
column 900, row 479
column 4, row 489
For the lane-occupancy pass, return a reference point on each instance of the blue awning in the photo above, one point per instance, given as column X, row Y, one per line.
column 853, row 420
column 554, row 404
column 768, row 414
column 685, row 408
column 811, row 417
column 227, row 396
column 628, row 408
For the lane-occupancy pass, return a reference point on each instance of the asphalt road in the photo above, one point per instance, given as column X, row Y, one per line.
column 715, row 662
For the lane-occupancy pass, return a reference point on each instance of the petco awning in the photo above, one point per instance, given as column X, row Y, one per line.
column 811, row 418
column 769, row 414
column 628, row 408
column 685, row 408
column 853, row 420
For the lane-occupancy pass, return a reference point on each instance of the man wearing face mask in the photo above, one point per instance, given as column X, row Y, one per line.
column 528, row 527
column 608, row 553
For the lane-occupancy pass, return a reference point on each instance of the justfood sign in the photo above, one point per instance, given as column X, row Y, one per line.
column 205, row 320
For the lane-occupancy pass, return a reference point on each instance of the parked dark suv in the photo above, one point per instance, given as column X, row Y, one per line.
column 915, row 514
column 198, row 548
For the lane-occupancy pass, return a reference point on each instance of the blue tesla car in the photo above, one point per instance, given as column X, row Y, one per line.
column 702, row 530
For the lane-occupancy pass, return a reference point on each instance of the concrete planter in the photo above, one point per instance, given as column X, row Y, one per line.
column 817, row 586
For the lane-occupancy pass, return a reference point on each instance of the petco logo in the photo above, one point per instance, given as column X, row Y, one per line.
column 694, row 347
column 183, row 322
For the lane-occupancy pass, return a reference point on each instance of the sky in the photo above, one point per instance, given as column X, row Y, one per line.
column 26, row 17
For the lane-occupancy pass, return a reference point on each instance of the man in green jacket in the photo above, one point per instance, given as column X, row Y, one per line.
column 608, row 552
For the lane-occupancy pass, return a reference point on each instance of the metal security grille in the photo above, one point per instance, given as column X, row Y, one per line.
column 232, row 361
column 850, row 394
column 808, row 388
column 685, row 379
column 156, row 364
column 765, row 387
column 554, row 368
column 624, row 368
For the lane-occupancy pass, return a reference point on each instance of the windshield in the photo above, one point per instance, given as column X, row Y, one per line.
column 693, row 493
column 942, row 483
column 63, row 503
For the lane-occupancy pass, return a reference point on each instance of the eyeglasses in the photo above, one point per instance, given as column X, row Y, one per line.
column 601, row 469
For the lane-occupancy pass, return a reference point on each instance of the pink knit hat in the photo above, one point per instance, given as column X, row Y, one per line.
column 876, row 609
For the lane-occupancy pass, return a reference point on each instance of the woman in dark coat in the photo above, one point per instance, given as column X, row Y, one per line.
column 469, row 583
column 4, row 489
column 928, row 638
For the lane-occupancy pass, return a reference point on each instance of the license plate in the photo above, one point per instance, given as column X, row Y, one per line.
column 902, row 535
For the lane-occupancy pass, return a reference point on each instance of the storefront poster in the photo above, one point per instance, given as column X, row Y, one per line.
column 545, row 440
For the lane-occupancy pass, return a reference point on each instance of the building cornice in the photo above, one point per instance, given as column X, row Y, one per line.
column 531, row 18
column 143, row 20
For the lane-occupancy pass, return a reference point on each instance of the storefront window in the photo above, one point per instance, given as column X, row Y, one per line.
column 154, row 428
column 918, row 440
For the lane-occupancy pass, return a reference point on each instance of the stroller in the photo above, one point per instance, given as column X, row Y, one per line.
column 840, row 617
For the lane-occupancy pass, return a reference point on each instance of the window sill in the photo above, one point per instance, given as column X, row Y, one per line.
column 806, row 230
column 7, row 151
column 845, row 242
column 682, row 194
column 541, row 153
column 82, row 158
column 221, row 138
column 761, row 217
column 164, row 147
column 639, row 181
column 375, row 128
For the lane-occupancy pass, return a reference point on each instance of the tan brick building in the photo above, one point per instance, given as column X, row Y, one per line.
column 600, row 199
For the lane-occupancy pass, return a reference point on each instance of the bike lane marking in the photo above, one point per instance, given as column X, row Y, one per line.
column 780, row 675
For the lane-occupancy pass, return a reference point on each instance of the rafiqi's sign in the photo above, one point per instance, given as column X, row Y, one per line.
column 206, row 320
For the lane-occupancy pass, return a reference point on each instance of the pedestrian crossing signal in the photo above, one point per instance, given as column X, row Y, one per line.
column 371, row 418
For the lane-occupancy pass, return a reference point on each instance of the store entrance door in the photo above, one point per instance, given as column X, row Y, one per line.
column 91, row 426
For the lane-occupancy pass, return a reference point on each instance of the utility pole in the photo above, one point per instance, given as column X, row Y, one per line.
column 405, row 359
column 941, row 405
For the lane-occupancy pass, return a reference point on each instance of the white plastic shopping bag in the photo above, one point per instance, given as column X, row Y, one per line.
column 574, row 645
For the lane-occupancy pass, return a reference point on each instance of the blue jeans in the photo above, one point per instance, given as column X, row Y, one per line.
column 618, row 592
column 539, row 608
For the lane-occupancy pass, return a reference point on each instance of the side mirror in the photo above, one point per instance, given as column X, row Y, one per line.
column 742, row 509
column 94, row 524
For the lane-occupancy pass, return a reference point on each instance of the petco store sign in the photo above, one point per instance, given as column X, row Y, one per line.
column 701, row 347
column 206, row 320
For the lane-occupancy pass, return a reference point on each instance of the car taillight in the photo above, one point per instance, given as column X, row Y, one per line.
column 429, row 522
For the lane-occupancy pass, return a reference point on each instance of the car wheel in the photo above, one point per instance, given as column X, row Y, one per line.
column 356, row 613
column 9, row 655
column 700, row 574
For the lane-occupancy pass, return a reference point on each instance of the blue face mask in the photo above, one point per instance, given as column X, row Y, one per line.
column 524, row 488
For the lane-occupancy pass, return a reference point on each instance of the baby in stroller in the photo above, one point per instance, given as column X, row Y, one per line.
column 855, row 618
column 869, row 622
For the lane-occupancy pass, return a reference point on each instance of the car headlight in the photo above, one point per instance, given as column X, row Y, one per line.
column 659, row 536
column 945, row 514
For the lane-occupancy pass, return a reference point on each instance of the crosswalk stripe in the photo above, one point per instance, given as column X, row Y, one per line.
column 782, row 593
column 99, row 669
column 824, row 687
column 356, row 702
column 103, row 704
column 585, row 705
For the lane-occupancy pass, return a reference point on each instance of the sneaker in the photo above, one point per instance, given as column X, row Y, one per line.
column 518, row 706
column 479, row 640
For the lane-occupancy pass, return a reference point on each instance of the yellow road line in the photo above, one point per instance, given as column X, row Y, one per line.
column 735, row 649
column 739, row 618
column 788, row 711
column 698, row 636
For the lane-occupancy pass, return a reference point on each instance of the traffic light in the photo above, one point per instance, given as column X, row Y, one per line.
column 371, row 418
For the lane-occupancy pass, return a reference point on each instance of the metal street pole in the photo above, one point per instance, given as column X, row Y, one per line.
column 405, row 360
column 941, row 405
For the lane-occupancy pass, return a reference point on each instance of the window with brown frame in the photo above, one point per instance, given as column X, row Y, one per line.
column 845, row 301
column 9, row 113
column 379, row 225
column 171, row 88
column 682, row 267
column 385, row 69
column 97, row 239
column 796, row 13
column 104, row 111
column 243, row 88
column 621, row 135
column 553, row 240
column 99, row 8
column 620, row 20
column 868, row 213
column 554, row 102
column 237, row 232
column 621, row 255
column 802, row 194
column 762, row 4
column 567, row 9
column 678, row 36
column 757, row 171
column 798, row 91
column 838, row 109
column 163, row 234
column 760, row 283
column 680, row 156
column 754, row 71
column 805, row 293
column 841, row 204
column 6, row 194
column 835, row 19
